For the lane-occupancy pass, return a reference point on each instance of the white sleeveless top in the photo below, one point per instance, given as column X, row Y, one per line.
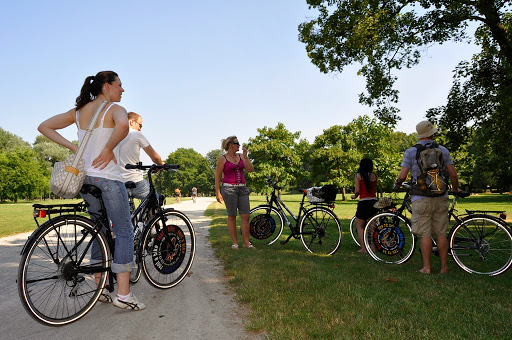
column 99, row 138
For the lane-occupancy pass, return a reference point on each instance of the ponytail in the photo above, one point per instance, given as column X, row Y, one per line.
column 365, row 169
column 93, row 86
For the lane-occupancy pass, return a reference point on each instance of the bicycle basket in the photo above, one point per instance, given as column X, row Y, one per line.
column 326, row 193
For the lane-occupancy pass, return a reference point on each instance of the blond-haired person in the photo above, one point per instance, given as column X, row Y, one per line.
column 230, row 188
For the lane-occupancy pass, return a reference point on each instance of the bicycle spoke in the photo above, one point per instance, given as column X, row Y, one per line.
column 481, row 245
column 320, row 231
column 53, row 286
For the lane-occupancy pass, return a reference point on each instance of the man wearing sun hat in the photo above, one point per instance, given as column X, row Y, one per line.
column 429, row 214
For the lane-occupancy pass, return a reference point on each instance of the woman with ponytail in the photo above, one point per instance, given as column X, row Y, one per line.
column 102, row 169
column 366, row 189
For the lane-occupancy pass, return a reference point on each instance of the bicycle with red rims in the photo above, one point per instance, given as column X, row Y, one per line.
column 316, row 225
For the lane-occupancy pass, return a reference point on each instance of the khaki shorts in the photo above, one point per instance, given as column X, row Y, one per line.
column 430, row 216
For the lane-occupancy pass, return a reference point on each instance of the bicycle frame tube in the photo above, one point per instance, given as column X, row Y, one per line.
column 280, row 205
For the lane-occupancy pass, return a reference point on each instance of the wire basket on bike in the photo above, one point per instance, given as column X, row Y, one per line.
column 326, row 193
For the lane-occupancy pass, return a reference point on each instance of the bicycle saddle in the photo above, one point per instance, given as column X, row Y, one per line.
column 91, row 190
column 130, row 185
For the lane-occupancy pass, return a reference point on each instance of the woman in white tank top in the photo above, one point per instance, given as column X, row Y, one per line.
column 102, row 169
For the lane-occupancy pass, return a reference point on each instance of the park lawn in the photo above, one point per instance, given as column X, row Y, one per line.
column 18, row 218
column 293, row 294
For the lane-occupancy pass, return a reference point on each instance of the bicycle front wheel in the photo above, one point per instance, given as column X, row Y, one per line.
column 388, row 238
column 353, row 230
column 168, row 248
column 320, row 231
column 481, row 244
column 266, row 225
column 56, row 276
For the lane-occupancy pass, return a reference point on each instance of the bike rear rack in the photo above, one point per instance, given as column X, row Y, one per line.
column 502, row 213
column 46, row 210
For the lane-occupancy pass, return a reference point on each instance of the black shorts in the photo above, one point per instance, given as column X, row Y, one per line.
column 365, row 209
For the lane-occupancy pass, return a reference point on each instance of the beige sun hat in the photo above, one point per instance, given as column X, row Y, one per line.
column 425, row 129
column 383, row 202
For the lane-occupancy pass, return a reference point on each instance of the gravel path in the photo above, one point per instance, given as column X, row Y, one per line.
column 200, row 307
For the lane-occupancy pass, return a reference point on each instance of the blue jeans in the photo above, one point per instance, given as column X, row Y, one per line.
column 141, row 189
column 116, row 203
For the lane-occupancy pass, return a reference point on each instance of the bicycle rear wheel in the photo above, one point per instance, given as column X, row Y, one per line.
column 481, row 244
column 266, row 225
column 56, row 276
column 168, row 248
column 388, row 238
column 353, row 230
column 320, row 231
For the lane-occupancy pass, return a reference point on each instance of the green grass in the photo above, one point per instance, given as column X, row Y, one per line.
column 17, row 218
column 293, row 294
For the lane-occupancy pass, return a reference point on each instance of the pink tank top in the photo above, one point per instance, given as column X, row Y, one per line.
column 233, row 173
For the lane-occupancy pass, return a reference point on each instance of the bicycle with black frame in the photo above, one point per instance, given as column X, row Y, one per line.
column 316, row 225
column 384, row 203
column 66, row 262
column 479, row 242
column 150, row 213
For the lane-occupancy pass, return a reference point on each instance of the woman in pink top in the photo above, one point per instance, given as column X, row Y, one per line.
column 365, row 184
column 234, row 193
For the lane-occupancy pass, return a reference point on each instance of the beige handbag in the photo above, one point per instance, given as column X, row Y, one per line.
column 68, row 176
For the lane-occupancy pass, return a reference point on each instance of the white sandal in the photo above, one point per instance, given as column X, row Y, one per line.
column 234, row 246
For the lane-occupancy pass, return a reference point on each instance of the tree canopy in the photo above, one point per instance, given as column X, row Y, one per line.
column 387, row 35
column 274, row 153
column 384, row 36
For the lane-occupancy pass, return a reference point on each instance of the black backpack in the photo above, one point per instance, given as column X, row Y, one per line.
column 432, row 178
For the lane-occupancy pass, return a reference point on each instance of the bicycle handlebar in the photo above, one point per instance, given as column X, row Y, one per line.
column 459, row 193
column 272, row 183
column 152, row 167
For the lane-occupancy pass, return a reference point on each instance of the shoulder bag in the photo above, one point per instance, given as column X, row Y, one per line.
column 68, row 176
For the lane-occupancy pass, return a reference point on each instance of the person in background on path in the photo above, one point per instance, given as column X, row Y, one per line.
column 102, row 169
column 129, row 153
column 194, row 194
column 177, row 193
column 429, row 214
column 234, row 193
column 365, row 183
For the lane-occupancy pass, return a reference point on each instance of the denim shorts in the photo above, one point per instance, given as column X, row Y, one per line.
column 115, row 198
column 141, row 189
column 236, row 197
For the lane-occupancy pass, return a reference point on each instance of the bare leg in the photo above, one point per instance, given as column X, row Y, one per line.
column 426, row 251
column 232, row 229
column 360, row 224
column 123, row 283
column 245, row 229
column 442, row 247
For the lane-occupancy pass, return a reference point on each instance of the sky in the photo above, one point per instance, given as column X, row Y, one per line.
column 196, row 71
